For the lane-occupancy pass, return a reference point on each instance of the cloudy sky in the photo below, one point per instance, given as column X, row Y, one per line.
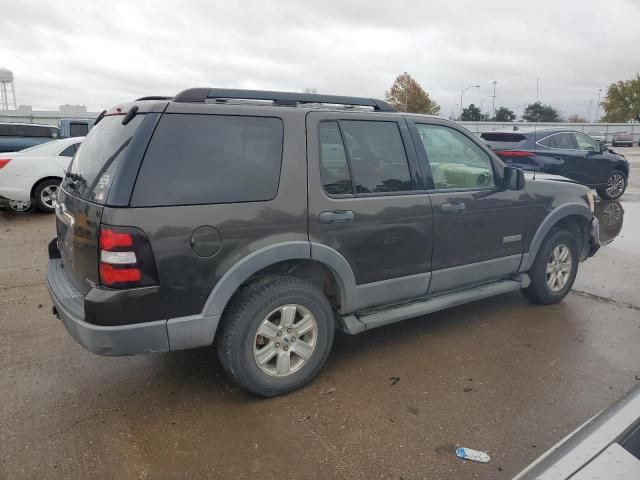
column 101, row 53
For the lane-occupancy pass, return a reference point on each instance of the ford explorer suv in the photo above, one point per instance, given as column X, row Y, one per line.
column 568, row 153
column 261, row 222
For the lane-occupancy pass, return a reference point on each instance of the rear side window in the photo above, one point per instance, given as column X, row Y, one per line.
column 376, row 156
column 564, row 141
column 202, row 159
column 548, row 142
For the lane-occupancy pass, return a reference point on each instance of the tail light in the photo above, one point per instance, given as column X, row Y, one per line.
column 126, row 259
column 4, row 161
column 514, row 153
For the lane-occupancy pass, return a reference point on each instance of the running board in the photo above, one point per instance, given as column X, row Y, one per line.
column 356, row 323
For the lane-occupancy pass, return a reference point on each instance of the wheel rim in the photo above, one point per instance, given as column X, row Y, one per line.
column 285, row 340
column 615, row 185
column 611, row 214
column 48, row 195
column 19, row 206
column 559, row 267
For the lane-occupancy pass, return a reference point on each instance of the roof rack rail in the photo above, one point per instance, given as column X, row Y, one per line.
column 201, row 95
column 153, row 97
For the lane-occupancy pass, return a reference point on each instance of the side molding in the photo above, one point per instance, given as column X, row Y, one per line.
column 547, row 224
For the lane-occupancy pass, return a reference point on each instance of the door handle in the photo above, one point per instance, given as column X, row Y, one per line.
column 453, row 207
column 336, row 216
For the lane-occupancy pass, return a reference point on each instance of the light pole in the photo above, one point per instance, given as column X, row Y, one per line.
column 589, row 110
column 481, row 102
column 462, row 93
column 406, row 92
column 493, row 104
column 598, row 105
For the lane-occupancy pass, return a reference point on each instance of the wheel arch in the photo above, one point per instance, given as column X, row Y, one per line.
column 563, row 216
column 39, row 181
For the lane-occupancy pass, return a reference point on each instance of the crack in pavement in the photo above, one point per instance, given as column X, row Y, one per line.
column 607, row 300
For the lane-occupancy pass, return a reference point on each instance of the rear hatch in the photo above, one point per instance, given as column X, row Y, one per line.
column 498, row 141
column 84, row 193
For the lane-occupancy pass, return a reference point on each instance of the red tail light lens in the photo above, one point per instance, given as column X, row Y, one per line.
column 514, row 153
column 110, row 239
column 4, row 161
column 126, row 259
column 110, row 275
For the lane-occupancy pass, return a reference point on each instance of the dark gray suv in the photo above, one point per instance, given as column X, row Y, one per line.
column 263, row 221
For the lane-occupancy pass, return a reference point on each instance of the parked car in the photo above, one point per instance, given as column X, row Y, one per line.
column 563, row 152
column 262, row 221
column 607, row 447
column 18, row 136
column 621, row 139
column 30, row 178
column 598, row 136
column 610, row 216
column 75, row 127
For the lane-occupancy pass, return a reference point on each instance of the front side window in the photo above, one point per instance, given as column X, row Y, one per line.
column 376, row 156
column 584, row 142
column 205, row 159
column 455, row 160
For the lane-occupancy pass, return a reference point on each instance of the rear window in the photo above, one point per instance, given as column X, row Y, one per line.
column 502, row 140
column 201, row 159
column 98, row 157
column 78, row 129
column 17, row 130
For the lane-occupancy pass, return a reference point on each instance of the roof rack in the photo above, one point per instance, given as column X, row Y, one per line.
column 289, row 99
column 153, row 97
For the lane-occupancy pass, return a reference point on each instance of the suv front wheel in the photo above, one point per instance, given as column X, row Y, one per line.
column 554, row 269
column 276, row 336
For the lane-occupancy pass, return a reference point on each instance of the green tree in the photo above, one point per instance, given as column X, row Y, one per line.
column 575, row 118
column 406, row 94
column 622, row 102
column 503, row 114
column 537, row 112
column 471, row 113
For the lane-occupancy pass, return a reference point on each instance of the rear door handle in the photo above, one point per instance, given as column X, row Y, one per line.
column 453, row 207
column 336, row 216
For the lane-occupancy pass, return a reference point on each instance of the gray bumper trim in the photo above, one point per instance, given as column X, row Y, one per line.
column 117, row 340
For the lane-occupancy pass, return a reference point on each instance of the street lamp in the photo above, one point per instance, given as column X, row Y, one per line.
column 462, row 93
column 598, row 105
column 481, row 102
column 493, row 105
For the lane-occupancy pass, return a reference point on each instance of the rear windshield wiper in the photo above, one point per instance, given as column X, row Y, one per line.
column 130, row 114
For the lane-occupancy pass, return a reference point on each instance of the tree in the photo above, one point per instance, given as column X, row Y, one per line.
column 622, row 103
column 537, row 112
column 575, row 118
column 406, row 94
column 503, row 114
column 471, row 113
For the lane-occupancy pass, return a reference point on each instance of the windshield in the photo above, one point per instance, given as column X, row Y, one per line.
column 98, row 157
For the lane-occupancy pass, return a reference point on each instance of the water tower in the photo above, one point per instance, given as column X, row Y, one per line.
column 6, row 84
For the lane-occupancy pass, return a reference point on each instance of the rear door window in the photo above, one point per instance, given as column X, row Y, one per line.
column 204, row 159
column 376, row 155
column 548, row 142
column 564, row 141
column 78, row 129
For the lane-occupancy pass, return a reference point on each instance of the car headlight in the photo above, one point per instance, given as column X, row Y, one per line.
column 592, row 203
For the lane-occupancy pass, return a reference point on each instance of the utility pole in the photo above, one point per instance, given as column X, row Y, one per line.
column 598, row 106
column 589, row 110
column 537, row 89
column 493, row 104
column 406, row 91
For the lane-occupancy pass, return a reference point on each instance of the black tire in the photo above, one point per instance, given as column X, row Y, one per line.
column 38, row 199
column 539, row 291
column 615, row 174
column 237, row 337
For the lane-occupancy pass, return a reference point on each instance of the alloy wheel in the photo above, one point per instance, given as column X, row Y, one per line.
column 48, row 195
column 19, row 206
column 615, row 185
column 285, row 340
column 559, row 267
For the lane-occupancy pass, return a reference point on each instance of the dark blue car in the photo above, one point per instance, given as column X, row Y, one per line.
column 571, row 154
column 18, row 136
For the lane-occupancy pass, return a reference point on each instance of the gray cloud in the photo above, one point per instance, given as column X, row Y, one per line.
column 99, row 54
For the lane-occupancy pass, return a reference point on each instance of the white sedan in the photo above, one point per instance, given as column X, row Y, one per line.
column 31, row 177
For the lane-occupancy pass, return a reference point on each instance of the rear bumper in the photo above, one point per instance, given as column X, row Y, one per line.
column 104, row 340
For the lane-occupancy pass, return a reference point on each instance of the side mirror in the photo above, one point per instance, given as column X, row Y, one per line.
column 513, row 178
column 603, row 147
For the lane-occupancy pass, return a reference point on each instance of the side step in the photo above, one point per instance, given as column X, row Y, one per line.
column 359, row 323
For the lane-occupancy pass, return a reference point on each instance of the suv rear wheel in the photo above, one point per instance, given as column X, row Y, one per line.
column 276, row 336
column 554, row 269
column 616, row 185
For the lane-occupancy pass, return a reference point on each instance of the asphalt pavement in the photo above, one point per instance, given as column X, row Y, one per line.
column 500, row 375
